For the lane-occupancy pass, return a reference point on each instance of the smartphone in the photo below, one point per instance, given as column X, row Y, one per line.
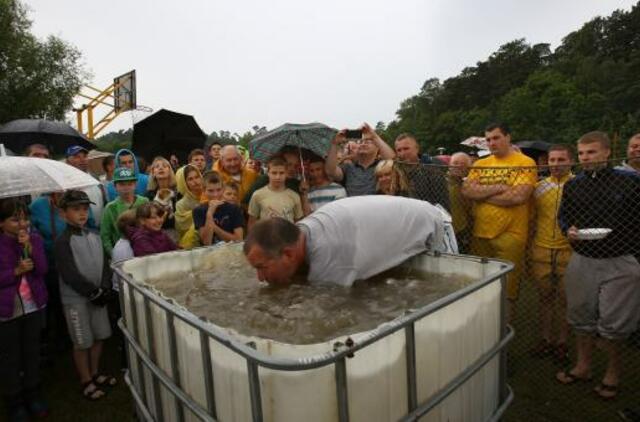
column 353, row 134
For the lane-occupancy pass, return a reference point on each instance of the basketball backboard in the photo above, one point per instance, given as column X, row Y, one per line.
column 124, row 92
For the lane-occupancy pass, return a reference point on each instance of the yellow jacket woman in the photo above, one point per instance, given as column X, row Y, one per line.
column 190, row 185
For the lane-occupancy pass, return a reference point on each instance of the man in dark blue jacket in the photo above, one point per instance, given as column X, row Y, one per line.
column 602, row 279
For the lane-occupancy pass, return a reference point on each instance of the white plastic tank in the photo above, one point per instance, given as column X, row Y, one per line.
column 442, row 362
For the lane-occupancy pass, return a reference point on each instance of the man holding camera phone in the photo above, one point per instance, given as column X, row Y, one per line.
column 358, row 177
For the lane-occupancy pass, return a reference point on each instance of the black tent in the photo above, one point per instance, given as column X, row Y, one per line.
column 166, row 132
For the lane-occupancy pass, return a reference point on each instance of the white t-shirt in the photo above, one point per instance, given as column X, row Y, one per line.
column 358, row 237
column 121, row 252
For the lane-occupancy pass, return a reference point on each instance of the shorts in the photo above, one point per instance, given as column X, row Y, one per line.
column 87, row 324
column 548, row 266
column 505, row 246
column 603, row 295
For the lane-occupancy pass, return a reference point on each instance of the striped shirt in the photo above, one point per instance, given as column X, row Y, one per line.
column 324, row 194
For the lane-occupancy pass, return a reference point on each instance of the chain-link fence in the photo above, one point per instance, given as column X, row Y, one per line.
column 524, row 215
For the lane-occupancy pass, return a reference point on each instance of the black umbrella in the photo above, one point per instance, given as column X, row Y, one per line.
column 57, row 136
column 166, row 132
column 534, row 149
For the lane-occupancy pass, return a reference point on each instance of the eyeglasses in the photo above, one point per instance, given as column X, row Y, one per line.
column 364, row 141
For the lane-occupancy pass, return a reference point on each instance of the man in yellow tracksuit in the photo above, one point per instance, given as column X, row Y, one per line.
column 550, row 254
column 501, row 186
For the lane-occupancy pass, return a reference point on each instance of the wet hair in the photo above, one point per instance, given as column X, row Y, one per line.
column 107, row 161
column 195, row 152
column 212, row 178
column 278, row 160
column 232, row 185
column 596, row 137
column 152, row 185
column 125, row 220
column 398, row 179
column 146, row 210
column 272, row 236
column 562, row 147
column 498, row 125
column 316, row 159
column 10, row 207
column 407, row 135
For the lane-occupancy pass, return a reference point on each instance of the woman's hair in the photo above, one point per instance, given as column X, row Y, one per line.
column 10, row 207
column 399, row 181
column 189, row 169
column 153, row 183
column 126, row 220
column 146, row 210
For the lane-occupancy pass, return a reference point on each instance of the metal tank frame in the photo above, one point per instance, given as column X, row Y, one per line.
column 255, row 360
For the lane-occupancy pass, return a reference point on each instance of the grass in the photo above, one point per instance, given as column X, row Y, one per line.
column 63, row 391
column 538, row 397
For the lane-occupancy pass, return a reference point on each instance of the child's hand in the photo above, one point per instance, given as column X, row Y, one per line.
column 214, row 204
column 24, row 266
column 304, row 187
column 23, row 237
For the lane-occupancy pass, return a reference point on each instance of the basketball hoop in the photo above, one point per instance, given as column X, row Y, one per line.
column 139, row 113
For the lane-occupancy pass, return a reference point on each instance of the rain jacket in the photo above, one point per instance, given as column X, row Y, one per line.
column 10, row 254
column 141, row 183
column 146, row 242
column 184, row 207
column 247, row 179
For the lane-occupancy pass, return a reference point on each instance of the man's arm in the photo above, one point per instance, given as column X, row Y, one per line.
column 385, row 151
column 331, row 165
column 513, row 196
column 472, row 189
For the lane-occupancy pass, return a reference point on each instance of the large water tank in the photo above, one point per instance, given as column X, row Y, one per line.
column 443, row 362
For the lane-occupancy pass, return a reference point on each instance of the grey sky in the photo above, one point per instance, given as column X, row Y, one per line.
column 239, row 63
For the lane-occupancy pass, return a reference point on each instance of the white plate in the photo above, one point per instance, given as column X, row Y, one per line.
column 593, row 234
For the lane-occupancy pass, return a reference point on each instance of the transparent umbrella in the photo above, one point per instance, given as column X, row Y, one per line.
column 26, row 175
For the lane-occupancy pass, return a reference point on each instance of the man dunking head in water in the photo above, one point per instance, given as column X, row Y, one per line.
column 347, row 240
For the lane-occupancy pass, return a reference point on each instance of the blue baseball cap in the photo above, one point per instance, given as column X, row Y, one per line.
column 75, row 149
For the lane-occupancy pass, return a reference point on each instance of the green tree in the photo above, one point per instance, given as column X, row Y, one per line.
column 38, row 79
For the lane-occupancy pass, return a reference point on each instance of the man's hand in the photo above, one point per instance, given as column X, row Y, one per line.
column 24, row 266
column 340, row 138
column 572, row 233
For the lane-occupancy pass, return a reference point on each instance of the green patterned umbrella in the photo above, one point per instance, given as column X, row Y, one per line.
column 315, row 137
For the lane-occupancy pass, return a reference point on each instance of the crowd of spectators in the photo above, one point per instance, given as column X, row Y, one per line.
column 55, row 252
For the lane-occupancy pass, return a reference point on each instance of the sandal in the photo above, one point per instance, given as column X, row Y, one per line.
column 91, row 392
column 606, row 391
column 567, row 378
column 104, row 380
